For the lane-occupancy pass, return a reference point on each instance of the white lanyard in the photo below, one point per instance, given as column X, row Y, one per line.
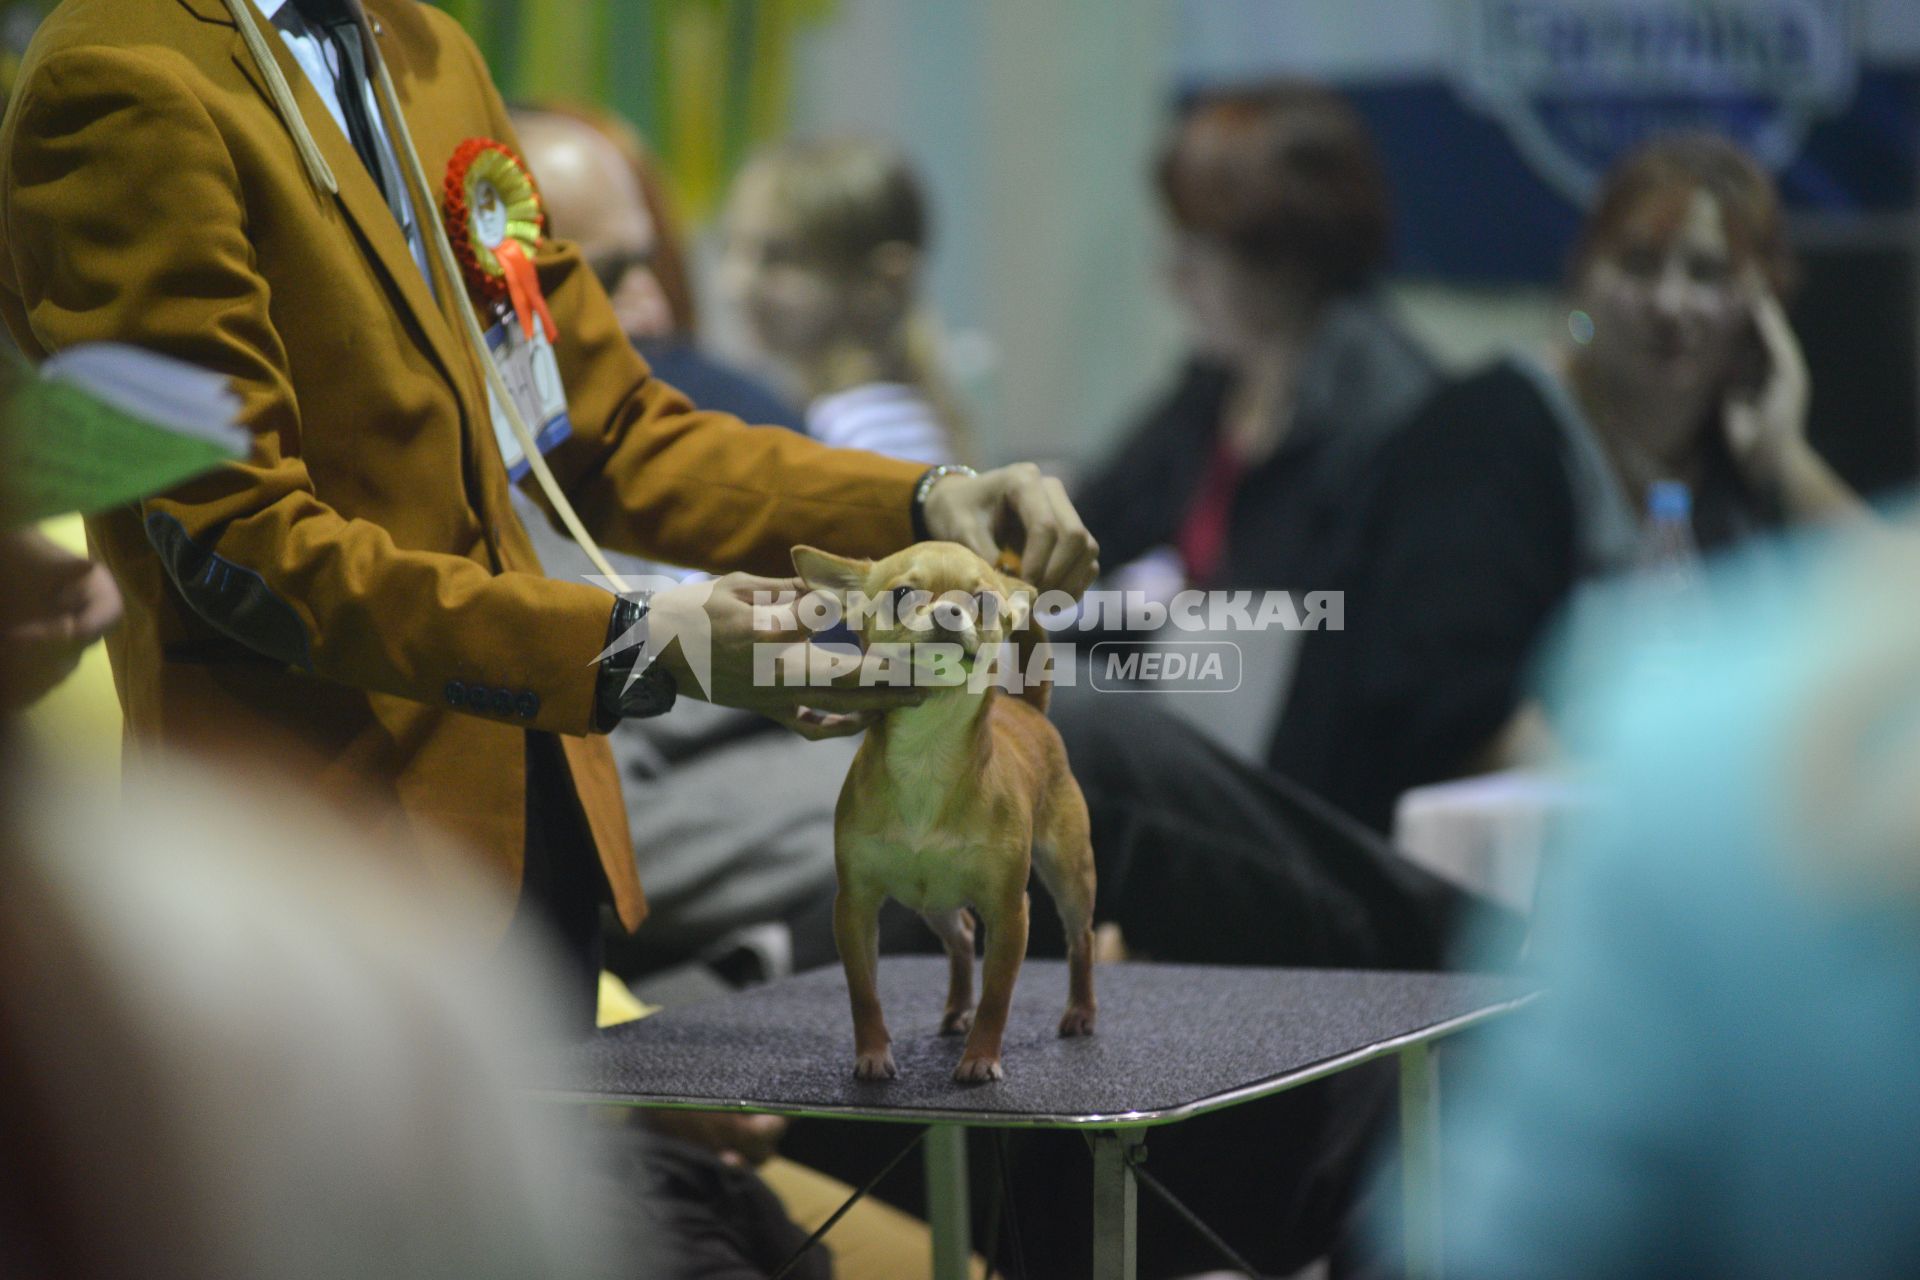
column 323, row 178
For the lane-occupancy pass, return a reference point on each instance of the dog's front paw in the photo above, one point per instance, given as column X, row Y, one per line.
column 875, row 1066
column 956, row 1022
column 974, row 1070
column 1077, row 1020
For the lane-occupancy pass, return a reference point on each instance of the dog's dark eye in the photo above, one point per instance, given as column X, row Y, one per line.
column 903, row 599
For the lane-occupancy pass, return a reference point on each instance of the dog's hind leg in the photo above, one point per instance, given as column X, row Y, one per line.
column 956, row 932
column 1063, row 859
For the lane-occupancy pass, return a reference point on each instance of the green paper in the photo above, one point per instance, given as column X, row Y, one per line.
column 66, row 449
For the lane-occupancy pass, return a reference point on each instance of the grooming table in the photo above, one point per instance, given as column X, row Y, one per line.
column 1173, row 1042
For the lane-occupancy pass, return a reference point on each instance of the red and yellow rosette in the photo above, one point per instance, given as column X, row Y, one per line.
column 495, row 219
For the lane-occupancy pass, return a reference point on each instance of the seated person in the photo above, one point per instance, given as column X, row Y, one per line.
column 714, row 869
column 596, row 171
column 1520, row 482
column 1298, row 372
column 825, row 242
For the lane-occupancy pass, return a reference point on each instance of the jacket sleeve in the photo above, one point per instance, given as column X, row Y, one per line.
column 124, row 221
column 651, row 475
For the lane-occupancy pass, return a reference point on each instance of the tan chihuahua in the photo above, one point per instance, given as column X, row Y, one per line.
column 950, row 803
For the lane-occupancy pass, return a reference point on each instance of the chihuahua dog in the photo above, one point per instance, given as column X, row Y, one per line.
column 950, row 803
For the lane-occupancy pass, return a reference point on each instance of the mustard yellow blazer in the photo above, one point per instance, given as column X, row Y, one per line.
column 356, row 599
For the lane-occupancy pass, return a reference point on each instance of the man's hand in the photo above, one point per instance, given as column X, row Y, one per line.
column 56, row 605
column 1019, row 508
column 721, row 615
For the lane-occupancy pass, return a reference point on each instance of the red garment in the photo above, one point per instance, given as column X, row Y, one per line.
column 1202, row 536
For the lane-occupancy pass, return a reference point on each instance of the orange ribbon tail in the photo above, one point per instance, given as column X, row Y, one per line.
column 523, row 289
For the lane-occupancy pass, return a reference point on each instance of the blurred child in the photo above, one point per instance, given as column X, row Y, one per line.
column 826, row 242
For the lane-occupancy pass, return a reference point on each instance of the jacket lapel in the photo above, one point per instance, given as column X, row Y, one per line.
column 377, row 230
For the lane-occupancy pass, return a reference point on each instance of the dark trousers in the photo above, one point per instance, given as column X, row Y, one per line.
column 671, row 1211
column 1203, row 858
column 563, row 886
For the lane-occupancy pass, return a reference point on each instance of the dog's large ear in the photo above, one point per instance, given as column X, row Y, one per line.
column 1029, row 639
column 836, row 575
column 1019, row 596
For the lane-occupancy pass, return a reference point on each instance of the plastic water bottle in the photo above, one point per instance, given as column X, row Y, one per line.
column 1669, row 556
column 1672, row 586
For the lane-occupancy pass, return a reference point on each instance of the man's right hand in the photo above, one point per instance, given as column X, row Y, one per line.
column 720, row 613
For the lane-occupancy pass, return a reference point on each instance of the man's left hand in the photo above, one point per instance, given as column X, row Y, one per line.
column 58, row 604
column 1020, row 508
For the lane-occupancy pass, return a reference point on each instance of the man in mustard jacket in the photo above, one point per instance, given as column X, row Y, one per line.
column 357, row 599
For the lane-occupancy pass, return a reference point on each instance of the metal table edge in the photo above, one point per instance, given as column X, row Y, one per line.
column 1037, row 1120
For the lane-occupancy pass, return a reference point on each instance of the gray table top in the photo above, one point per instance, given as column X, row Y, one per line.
column 1173, row 1041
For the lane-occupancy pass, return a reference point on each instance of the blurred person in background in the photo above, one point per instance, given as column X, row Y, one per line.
column 825, row 247
column 605, row 193
column 1297, row 372
column 1242, row 477
column 1519, row 482
column 240, row 1039
column 1298, row 379
column 1718, row 1078
column 717, row 872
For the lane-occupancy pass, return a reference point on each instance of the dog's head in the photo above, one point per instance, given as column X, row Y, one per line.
column 929, row 593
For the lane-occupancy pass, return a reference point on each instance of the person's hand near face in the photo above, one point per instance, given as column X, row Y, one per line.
column 1766, row 420
column 1686, row 340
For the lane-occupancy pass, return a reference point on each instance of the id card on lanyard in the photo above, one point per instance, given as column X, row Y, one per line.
column 495, row 223
column 532, row 375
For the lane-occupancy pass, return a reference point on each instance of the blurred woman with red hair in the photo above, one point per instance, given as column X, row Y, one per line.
column 1280, row 222
column 1677, row 370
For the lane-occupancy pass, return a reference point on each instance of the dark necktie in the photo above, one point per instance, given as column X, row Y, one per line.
column 335, row 20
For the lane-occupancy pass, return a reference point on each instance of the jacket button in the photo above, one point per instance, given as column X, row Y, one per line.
column 456, row 694
column 500, row 702
column 527, row 705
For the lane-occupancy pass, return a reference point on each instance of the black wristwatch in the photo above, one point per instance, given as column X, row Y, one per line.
column 620, row 694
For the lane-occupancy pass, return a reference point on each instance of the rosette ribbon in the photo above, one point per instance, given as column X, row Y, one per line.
column 495, row 220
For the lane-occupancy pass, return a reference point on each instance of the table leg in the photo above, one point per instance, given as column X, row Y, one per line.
column 947, row 1210
column 1420, row 1161
column 1116, row 1220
